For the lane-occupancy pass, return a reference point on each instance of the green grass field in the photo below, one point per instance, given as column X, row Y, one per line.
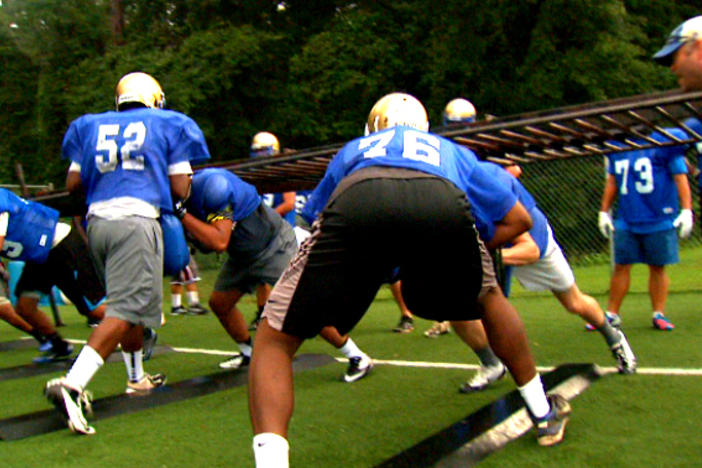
column 649, row 419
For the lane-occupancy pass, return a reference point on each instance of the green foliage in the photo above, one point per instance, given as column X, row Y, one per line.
column 310, row 72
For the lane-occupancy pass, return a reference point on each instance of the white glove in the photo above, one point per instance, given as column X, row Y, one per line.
column 604, row 222
column 683, row 223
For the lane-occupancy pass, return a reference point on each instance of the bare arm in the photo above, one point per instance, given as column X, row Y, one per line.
column 73, row 183
column 683, row 191
column 514, row 223
column 214, row 236
column 524, row 251
column 287, row 205
column 609, row 194
column 180, row 185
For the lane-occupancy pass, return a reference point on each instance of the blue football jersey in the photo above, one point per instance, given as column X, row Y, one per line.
column 274, row 199
column 408, row 148
column 648, row 196
column 218, row 192
column 128, row 153
column 301, row 197
column 539, row 227
column 30, row 231
column 696, row 125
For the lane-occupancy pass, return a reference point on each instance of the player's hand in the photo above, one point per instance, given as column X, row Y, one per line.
column 683, row 223
column 179, row 209
column 604, row 222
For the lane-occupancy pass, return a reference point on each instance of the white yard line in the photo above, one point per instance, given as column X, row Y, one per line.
column 450, row 365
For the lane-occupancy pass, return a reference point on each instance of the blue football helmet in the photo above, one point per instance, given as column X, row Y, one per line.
column 209, row 193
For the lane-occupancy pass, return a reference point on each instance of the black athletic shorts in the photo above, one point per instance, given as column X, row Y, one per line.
column 376, row 220
column 69, row 267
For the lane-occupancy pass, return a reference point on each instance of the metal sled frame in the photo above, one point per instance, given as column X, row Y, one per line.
column 592, row 129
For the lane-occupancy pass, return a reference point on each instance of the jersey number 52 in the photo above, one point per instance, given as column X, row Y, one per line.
column 133, row 135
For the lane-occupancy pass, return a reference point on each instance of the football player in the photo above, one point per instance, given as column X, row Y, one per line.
column 266, row 144
column 655, row 206
column 225, row 213
column 131, row 163
column 55, row 254
column 538, row 263
column 378, row 207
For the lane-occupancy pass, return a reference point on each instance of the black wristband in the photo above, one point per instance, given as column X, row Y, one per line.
column 179, row 209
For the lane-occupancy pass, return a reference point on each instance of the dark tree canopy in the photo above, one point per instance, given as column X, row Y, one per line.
column 309, row 71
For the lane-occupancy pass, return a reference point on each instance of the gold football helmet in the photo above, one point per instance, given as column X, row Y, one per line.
column 397, row 109
column 139, row 87
column 459, row 110
column 264, row 144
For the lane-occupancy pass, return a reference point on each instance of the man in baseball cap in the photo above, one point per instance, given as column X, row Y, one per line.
column 682, row 52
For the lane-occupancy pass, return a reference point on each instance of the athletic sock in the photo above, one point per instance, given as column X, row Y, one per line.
column 87, row 364
column 349, row 349
column 193, row 297
column 535, row 397
column 270, row 450
column 487, row 357
column 176, row 300
column 245, row 347
column 134, row 362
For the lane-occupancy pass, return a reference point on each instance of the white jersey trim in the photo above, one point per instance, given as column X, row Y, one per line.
column 123, row 207
column 180, row 168
column 60, row 233
column 4, row 221
column 74, row 167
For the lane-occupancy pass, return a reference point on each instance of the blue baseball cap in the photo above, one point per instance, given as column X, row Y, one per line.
column 685, row 32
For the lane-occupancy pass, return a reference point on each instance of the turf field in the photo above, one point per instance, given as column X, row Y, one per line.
column 651, row 418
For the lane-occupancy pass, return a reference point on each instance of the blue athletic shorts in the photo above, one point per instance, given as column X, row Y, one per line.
column 655, row 248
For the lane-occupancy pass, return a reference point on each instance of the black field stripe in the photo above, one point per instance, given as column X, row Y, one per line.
column 42, row 422
column 19, row 344
column 30, row 370
column 437, row 448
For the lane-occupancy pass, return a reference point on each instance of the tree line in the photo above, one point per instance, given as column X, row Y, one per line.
column 309, row 70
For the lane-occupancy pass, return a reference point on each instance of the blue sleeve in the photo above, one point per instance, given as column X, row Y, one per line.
column 677, row 164
column 320, row 195
column 490, row 199
column 190, row 144
column 70, row 148
column 318, row 199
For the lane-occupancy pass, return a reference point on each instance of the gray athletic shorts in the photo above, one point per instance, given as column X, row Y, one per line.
column 266, row 267
column 550, row 273
column 128, row 254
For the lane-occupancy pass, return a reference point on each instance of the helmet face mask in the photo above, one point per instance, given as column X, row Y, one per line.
column 459, row 110
column 138, row 87
column 264, row 144
column 397, row 109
